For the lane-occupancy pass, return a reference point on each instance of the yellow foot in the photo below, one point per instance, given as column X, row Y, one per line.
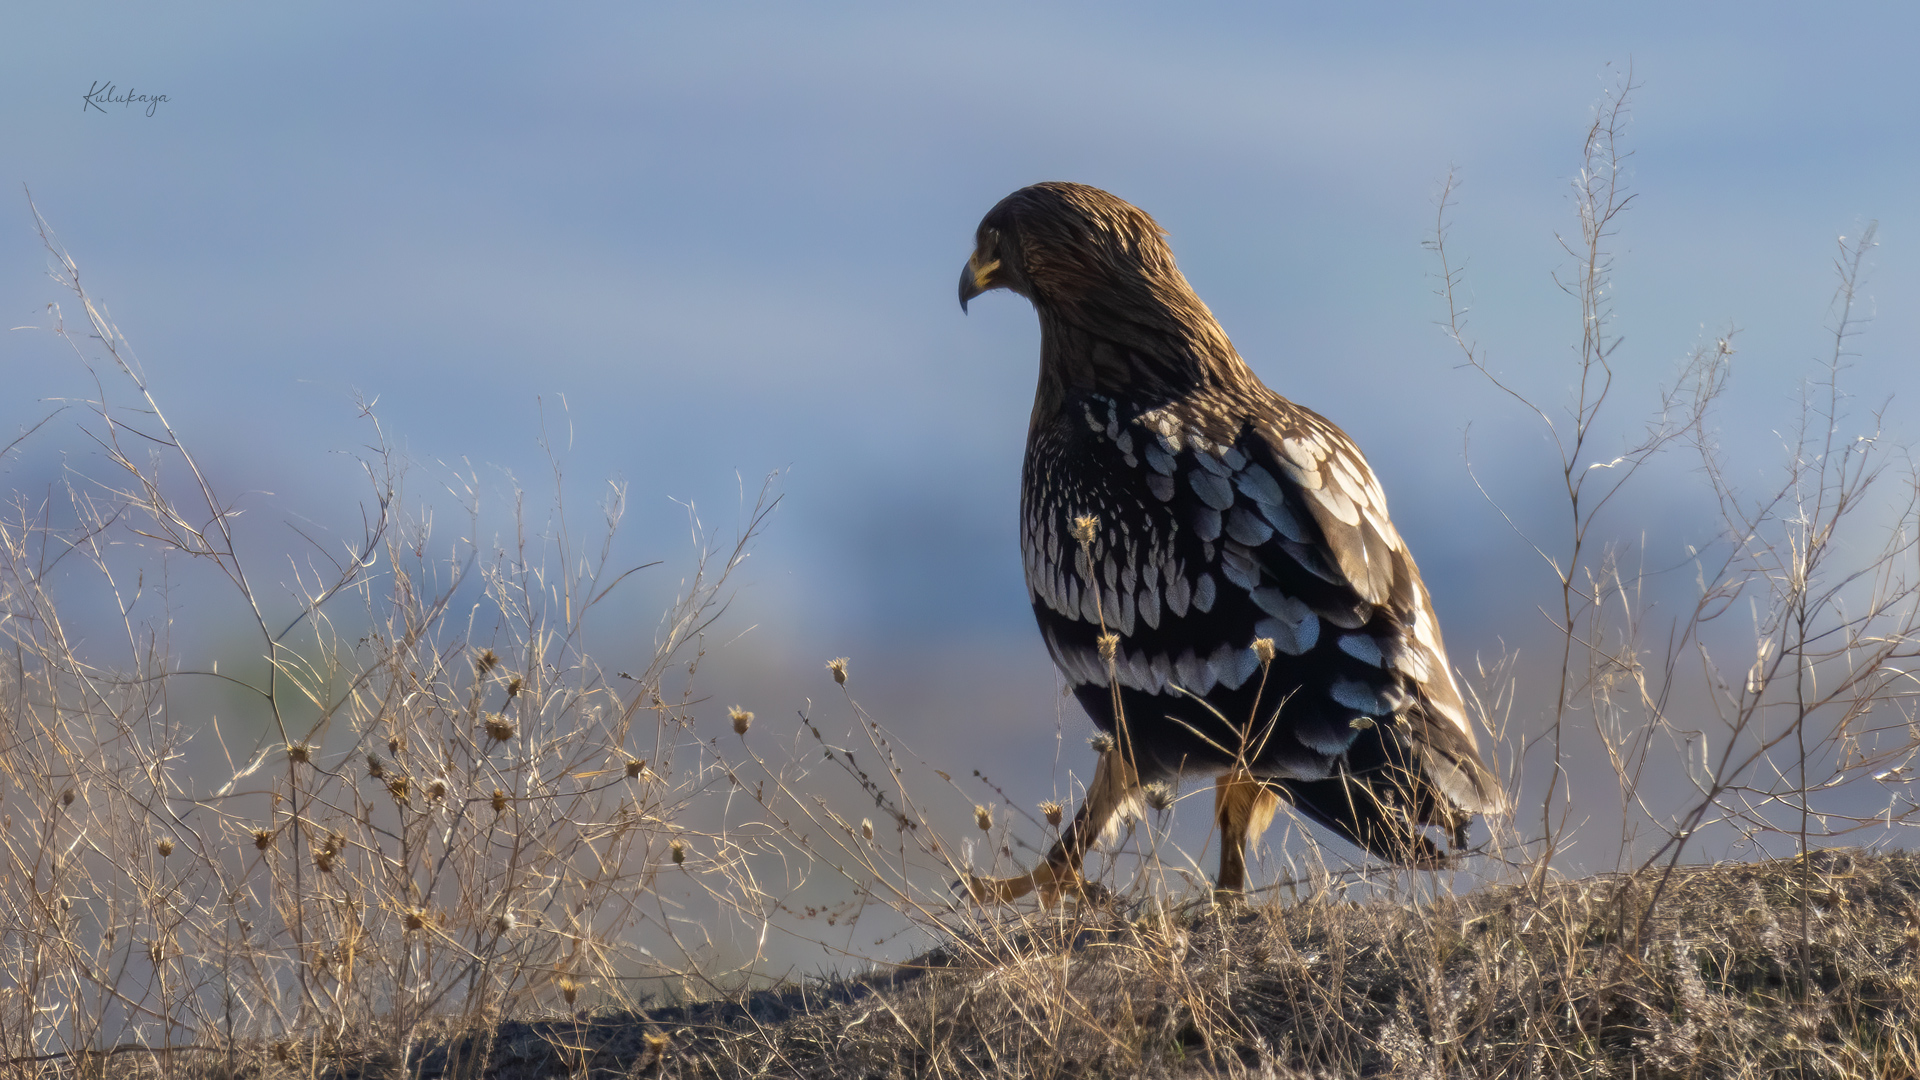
column 1051, row 884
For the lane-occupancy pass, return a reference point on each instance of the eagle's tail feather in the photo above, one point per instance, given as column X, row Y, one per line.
column 1376, row 811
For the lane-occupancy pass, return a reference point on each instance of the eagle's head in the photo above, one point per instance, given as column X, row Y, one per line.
column 1061, row 245
column 1115, row 312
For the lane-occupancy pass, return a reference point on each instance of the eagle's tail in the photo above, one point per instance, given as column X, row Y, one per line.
column 1386, row 800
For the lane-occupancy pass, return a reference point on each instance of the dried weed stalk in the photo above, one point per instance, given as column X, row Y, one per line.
column 451, row 813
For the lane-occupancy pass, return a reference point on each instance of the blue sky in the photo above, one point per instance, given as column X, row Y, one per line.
column 726, row 236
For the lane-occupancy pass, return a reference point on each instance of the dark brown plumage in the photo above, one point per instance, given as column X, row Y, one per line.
column 1212, row 565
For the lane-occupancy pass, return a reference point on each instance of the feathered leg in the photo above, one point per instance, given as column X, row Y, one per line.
column 1244, row 808
column 1114, row 794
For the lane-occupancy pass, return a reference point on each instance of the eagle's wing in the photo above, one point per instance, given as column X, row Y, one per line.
column 1359, row 543
column 1302, row 530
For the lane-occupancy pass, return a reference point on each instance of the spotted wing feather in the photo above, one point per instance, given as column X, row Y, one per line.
column 1223, row 522
column 1331, row 478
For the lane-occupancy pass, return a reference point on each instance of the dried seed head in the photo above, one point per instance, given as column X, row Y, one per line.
column 499, row 728
column 678, row 849
column 486, row 661
column 866, row 828
column 437, row 788
column 505, row 923
column 397, row 787
column 636, row 766
column 1159, row 795
column 1084, row 528
column 156, row 951
column 262, row 839
column 513, row 686
column 1360, row 723
column 374, row 768
column 336, row 842
column 742, row 720
column 415, row 918
column 300, row 752
column 1263, row 648
column 1109, row 646
column 499, row 801
column 323, row 861
column 983, row 817
column 838, row 665
column 164, row 847
column 568, row 988
column 1101, row 742
column 67, row 797
column 1051, row 811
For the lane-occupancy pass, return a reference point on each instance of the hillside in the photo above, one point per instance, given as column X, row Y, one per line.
column 1719, row 983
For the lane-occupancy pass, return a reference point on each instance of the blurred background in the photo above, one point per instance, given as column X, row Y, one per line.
column 682, row 247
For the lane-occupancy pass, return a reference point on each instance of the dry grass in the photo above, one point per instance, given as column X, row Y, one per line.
column 441, row 809
column 431, row 836
column 1500, row 982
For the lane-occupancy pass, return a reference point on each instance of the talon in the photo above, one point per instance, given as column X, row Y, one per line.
column 1092, row 892
column 1050, row 883
column 1115, row 791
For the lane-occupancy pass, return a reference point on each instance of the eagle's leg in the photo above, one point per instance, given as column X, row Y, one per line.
column 1114, row 793
column 1244, row 808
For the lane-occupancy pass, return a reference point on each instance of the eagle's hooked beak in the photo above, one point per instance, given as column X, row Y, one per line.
column 975, row 278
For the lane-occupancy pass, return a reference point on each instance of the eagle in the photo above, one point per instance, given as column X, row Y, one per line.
column 1212, row 566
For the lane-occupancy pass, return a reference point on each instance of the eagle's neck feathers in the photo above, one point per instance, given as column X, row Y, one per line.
column 1151, row 343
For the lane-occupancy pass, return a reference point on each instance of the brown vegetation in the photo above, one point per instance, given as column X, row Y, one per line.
column 1500, row 982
